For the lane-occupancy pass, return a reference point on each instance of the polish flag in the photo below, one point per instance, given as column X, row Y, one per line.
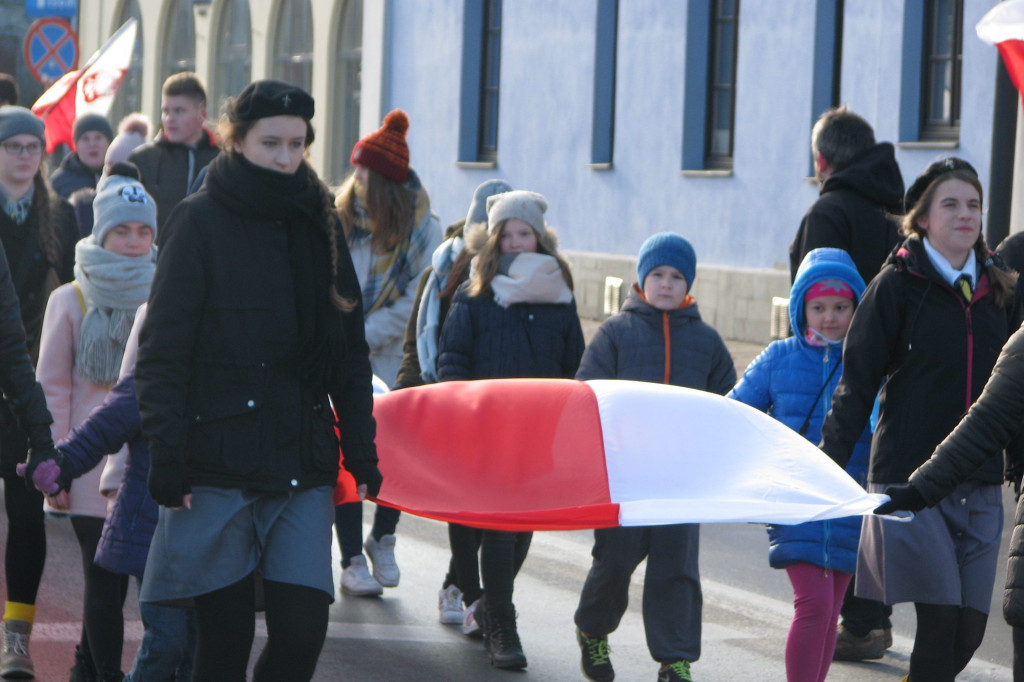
column 1003, row 26
column 558, row 454
column 89, row 90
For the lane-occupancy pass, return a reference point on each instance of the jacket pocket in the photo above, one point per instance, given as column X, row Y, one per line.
column 226, row 436
column 324, row 446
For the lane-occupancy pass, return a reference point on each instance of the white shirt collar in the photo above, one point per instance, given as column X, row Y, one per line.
column 947, row 271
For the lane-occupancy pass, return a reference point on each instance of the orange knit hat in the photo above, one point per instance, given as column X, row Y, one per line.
column 384, row 150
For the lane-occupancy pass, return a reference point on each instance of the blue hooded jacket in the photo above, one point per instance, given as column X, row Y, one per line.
column 783, row 381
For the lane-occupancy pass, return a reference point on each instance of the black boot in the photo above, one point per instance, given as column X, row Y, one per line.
column 82, row 670
column 503, row 639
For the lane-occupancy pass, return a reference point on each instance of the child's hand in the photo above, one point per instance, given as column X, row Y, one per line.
column 61, row 501
column 45, row 477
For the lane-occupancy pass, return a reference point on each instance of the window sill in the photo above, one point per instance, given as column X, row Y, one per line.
column 606, row 166
column 706, row 173
column 929, row 144
column 481, row 165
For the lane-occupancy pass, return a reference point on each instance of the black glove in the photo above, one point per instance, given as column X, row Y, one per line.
column 365, row 472
column 902, row 496
column 167, row 484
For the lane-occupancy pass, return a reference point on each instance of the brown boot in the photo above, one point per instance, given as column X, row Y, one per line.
column 850, row 647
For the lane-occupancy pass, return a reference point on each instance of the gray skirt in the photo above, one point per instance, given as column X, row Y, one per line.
column 946, row 555
column 229, row 533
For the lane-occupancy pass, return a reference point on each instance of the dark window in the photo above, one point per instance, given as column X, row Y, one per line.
column 348, row 62
column 481, row 72
column 721, row 98
column 828, row 60
column 234, row 51
column 487, row 147
column 129, row 93
column 293, row 44
column 179, row 40
column 603, row 136
column 941, row 62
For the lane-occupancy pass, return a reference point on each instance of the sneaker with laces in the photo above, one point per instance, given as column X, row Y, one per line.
column 449, row 606
column 679, row 671
column 596, row 661
column 357, row 581
column 382, row 554
column 14, row 660
column 503, row 645
column 473, row 620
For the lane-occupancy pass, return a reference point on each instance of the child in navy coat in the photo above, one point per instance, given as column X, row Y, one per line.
column 658, row 337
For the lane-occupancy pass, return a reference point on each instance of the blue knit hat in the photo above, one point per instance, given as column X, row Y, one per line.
column 666, row 248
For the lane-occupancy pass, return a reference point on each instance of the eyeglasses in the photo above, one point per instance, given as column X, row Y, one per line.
column 16, row 148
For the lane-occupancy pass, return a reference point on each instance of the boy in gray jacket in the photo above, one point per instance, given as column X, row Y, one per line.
column 658, row 337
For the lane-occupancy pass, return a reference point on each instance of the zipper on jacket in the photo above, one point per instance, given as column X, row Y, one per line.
column 668, row 346
column 970, row 356
column 828, row 539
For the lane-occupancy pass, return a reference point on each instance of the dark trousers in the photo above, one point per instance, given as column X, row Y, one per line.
column 25, row 554
column 464, row 567
column 103, row 617
column 348, row 525
column 672, row 601
column 860, row 616
column 502, row 554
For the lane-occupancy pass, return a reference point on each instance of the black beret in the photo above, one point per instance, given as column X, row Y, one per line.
column 261, row 99
column 930, row 175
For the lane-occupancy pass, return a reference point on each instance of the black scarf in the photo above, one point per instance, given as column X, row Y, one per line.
column 302, row 204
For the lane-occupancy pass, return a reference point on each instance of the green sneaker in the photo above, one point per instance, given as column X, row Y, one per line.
column 675, row 672
column 595, row 662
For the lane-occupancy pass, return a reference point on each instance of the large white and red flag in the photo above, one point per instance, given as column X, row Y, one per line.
column 89, row 90
column 554, row 454
column 1003, row 26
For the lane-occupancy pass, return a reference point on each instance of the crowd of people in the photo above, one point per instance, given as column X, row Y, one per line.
column 191, row 327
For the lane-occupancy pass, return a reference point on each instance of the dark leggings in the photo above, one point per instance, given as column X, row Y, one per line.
column 1018, row 654
column 502, row 554
column 26, row 534
column 102, row 615
column 348, row 525
column 946, row 639
column 464, row 567
column 296, row 627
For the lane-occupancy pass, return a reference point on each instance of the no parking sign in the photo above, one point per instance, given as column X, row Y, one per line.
column 51, row 49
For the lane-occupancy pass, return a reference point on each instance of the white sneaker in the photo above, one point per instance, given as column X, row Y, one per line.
column 470, row 626
column 449, row 605
column 382, row 554
column 357, row 581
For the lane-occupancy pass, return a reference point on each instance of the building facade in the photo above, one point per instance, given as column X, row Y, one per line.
column 631, row 116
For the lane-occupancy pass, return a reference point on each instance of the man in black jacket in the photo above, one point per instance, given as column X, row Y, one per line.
column 861, row 187
column 38, row 230
column 170, row 164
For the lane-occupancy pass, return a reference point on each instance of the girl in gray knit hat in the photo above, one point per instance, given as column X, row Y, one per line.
column 85, row 331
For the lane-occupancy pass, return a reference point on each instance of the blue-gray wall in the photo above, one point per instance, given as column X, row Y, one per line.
column 745, row 219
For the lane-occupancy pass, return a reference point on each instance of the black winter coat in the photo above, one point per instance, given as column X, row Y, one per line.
column 631, row 345
column 22, row 393
column 936, row 352
column 977, row 441
column 482, row 340
column 72, row 175
column 41, row 256
column 853, row 213
column 218, row 385
column 168, row 170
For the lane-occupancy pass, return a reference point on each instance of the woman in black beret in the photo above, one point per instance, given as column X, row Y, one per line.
column 253, row 331
column 928, row 330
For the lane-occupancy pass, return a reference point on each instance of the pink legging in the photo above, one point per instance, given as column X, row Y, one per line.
column 817, row 598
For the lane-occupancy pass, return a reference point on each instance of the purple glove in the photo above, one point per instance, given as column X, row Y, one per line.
column 46, row 477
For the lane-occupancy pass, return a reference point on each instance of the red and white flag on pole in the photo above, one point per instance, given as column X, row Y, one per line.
column 556, row 454
column 1003, row 26
column 89, row 90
